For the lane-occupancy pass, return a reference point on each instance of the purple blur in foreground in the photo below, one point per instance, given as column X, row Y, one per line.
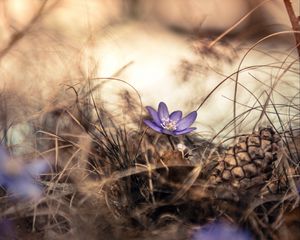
column 6, row 230
column 298, row 186
column 18, row 179
column 171, row 124
column 221, row 231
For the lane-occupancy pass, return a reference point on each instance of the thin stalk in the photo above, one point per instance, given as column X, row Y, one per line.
column 294, row 22
column 171, row 142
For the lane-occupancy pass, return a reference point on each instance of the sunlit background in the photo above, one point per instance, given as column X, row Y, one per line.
column 159, row 47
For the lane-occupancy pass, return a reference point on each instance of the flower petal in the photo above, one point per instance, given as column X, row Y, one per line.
column 163, row 112
column 176, row 116
column 168, row 132
column 154, row 115
column 39, row 166
column 153, row 126
column 186, row 121
column 24, row 188
column 219, row 230
column 187, row 130
column 7, row 229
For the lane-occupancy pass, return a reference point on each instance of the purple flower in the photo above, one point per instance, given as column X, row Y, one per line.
column 221, row 231
column 19, row 179
column 171, row 124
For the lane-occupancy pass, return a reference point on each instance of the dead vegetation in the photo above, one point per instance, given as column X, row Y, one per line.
column 112, row 178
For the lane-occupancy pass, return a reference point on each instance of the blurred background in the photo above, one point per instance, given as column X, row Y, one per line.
column 161, row 48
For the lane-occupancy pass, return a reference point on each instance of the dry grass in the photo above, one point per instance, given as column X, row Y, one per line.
column 111, row 177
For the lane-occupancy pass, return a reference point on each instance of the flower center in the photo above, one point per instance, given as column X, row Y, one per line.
column 169, row 124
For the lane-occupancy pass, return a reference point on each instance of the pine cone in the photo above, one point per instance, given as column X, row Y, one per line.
column 247, row 165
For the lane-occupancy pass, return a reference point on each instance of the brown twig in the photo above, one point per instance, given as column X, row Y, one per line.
column 294, row 21
column 171, row 142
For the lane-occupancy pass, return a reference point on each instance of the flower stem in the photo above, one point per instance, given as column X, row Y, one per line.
column 171, row 142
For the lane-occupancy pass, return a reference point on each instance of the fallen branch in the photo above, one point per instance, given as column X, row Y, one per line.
column 294, row 21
